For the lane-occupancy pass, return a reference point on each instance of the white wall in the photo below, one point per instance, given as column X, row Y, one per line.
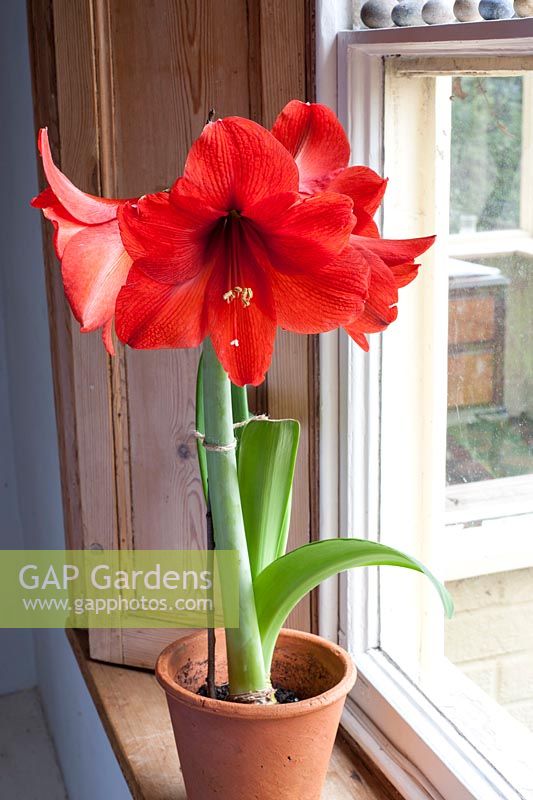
column 31, row 503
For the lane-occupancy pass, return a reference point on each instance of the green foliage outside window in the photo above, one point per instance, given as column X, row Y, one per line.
column 486, row 153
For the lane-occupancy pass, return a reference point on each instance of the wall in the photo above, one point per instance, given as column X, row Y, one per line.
column 32, row 467
column 17, row 664
column 491, row 637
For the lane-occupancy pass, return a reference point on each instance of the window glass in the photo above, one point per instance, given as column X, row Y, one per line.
column 490, row 364
column 486, row 153
column 456, row 416
column 489, row 452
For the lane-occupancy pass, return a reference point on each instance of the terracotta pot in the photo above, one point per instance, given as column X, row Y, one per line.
column 230, row 751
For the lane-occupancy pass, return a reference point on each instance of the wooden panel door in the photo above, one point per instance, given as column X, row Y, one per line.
column 124, row 87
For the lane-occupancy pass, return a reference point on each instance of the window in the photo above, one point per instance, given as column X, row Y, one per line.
column 489, row 452
column 436, row 425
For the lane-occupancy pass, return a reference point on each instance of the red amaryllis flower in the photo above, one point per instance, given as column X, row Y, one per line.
column 392, row 266
column 94, row 263
column 315, row 138
column 233, row 251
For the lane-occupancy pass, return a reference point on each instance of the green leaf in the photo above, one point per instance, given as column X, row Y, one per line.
column 267, row 459
column 284, row 532
column 200, row 425
column 283, row 583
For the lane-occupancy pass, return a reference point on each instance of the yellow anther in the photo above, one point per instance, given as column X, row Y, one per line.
column 245, row 294
column 246, row 297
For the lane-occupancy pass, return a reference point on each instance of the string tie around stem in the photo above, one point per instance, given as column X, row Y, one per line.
column 216, row 448
column 226, row 448
column 251, row 419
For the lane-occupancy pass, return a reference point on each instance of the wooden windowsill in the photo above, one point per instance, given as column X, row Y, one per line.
column 134, row 713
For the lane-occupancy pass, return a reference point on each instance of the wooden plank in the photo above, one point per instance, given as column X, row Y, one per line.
column 134, row 712
column 283, row 55
column 61, row 44
column 189, row 57
column 61, row 48
column 80, row 160
column 283, row 71
column 79, row 129
column 129, row 467
column 182, row 68
column 44, row 87
column 350, row 775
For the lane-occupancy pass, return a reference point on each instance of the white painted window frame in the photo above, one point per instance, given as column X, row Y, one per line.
column 419, row 749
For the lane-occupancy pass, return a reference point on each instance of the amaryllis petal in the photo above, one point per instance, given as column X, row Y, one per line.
column 271, row 210
column 404, row 273
column 84, row 207
column 236, row 163
column 107, row 337
column 394, row 251
column 368, row 324
column 244, row 345
column 87, row 241
column 65, row 225
column 382, row 294
column 307, row 235
column 371, row 321
column 324, row 299
column 365, row 225
column 380, row 308
column 358, row 337
column 94, row 267
column 315, row 138
column 152, row 315
column 168, row 236
column 363, row 185
column 242, row 332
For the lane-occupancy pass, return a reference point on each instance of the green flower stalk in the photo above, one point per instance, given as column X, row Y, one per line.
column 246, row 666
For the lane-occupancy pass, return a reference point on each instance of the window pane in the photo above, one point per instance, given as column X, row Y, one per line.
column 490, row 389
column 490, row 637
column 456, row 435
column 490, row 367
column 490, row 364
column 486, row 153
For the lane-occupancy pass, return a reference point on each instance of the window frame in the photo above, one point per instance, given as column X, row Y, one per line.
column 420, row 751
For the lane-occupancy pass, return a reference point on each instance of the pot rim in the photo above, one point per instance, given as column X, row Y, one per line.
column 228, row 709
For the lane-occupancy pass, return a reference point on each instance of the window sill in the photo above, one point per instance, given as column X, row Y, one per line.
column 134, row 713
column 470, row 749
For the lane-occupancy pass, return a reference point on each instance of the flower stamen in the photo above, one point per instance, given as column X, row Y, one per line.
column 245, row 295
